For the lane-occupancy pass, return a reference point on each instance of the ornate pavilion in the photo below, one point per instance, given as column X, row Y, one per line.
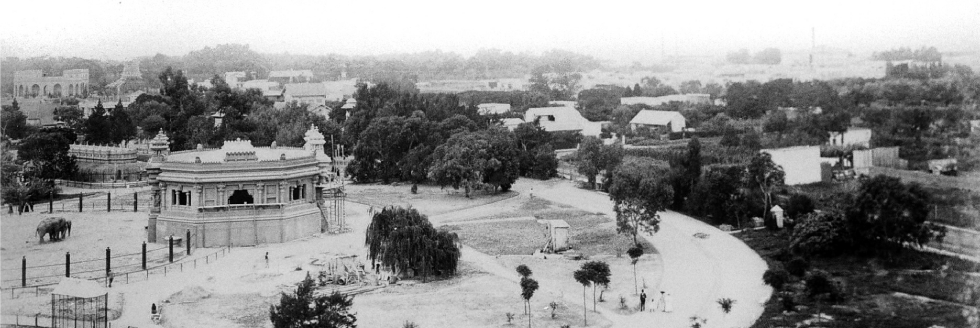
column 242, row 195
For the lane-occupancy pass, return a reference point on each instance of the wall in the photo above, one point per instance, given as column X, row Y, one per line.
column 801, row 164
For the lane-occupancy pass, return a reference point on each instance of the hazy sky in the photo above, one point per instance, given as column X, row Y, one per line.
column 613, row 30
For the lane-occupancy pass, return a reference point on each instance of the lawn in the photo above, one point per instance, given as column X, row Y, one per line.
column 430, row 200
column 514, row 232
column 874, row 290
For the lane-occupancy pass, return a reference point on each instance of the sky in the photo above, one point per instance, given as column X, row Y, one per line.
column 616, row 31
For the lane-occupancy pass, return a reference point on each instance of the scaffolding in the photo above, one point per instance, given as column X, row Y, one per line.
column 79, row 303
column 334, row 213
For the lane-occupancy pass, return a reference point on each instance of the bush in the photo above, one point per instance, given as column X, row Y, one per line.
column 797, row 205
column 820, row 234
column 797, row 266
column 776, row 278
column 819, row 284
column 787, row 302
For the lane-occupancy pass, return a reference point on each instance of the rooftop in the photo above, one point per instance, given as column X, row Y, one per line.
column 238, row 150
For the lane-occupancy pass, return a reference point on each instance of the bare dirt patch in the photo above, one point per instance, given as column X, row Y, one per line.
column 430, row 200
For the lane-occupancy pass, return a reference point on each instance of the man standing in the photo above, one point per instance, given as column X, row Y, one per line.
column 111, row 276
column 643, row 300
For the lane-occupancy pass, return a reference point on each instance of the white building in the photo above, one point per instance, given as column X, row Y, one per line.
column 666, row 121
column 691, row 98
column 493, row 108
column 801, row 163
column 312, row 94
column 554, row 119
column 851, row 137
column 511, row 123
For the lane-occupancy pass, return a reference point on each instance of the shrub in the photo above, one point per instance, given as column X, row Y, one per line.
column 820, row 234
column 799, row 204
column 726, row 304
column 554, row 309
column 797, row 266
column 819, row 283
column 776, row 278
column 510, row 317
column 787, row 302
column 622, row 303
column 409, row 324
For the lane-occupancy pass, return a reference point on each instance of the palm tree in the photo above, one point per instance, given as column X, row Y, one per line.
column 635, row 252
column 582, row 276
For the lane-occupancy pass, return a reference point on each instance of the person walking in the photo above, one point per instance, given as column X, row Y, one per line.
column 267, row 259
column 660, row 303
column 669, row 303
column 643, row 300
column 110, row 277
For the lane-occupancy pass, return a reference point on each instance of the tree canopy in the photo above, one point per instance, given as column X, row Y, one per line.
column 403, row 239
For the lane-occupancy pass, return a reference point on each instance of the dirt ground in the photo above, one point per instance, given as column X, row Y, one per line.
column 430, row 200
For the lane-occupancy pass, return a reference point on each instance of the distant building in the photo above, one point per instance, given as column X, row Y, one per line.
column 235, row 79
column 102, row 154
column 975, row 126
column 349, row 104
column 312, row 94
column 33, row 84
column 511, row 123
column 338, row 90
column 801, row 164
column 851, row 137
column 291, row 76
column 493, row 108
column 554, row 119
column 877, row 157
column 664, row 121
column 691, row 98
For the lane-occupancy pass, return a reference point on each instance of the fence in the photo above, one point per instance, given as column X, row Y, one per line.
column 160, row 264
column 98, row 201
column 101, row 185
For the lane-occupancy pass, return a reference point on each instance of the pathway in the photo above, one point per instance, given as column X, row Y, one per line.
column 697, row 271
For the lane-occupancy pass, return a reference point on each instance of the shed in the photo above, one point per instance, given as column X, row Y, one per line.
column 79, row 303
column 557, row 235
column 669, row 120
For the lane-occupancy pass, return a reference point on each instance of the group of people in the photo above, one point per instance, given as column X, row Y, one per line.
column 665, row 303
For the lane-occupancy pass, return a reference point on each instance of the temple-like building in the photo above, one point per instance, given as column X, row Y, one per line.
column 242, row 195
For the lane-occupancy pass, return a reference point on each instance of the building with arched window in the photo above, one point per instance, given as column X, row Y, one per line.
column 33, row 84
column 239, row 194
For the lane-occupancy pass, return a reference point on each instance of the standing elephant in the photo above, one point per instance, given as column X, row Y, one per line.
column 65, row 229
column 53, row 227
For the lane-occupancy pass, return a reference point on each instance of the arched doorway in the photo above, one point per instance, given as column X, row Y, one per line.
column 71, row 89
column 56, row 90
column 20, row 91
column 35, row 90
column 240, row 197
column 46, row 91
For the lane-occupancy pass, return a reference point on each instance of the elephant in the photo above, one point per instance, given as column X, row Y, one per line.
column 53, row 227
column 65, row 229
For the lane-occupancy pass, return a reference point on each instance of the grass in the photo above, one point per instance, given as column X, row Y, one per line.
column 870, row 285
column 589, row 233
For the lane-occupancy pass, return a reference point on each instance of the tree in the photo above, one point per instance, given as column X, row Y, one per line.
column 765, row 175
column 536, row 156
column 685, row 172
column 776, row 122
column 582, row 276
column 13, row 121
column 528, row 286
column 635, row 252
column 768, row 56
column 405, row 240
column 598, row 274
column 739, row 57
column 639, row 192
column 98, row 129
column 597, row 104
column 692, row 86
column 47, row 153
column 718, row 196
column 305, row 309
column 823, row 233
column 888, row 215
column 524, row 272
column 122, row 128
column 593, row 158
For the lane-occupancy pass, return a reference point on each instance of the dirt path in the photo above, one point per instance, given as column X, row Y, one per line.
column 697, row 271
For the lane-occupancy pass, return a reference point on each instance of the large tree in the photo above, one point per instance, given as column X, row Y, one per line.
column 638, row 192
column 13, row 122
column 46, row 152
column 593, row 158
column 404, row 239
column 306, row 309
column 887, row 215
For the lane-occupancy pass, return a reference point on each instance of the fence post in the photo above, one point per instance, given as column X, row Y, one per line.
column 144, row 255
column 136, row 201
column 171, row 241
column 79, row 201
column 108, row 202
column 51, row 202
column 188, row 242
column 108, row 256
column 67, row 264
column 23, row 271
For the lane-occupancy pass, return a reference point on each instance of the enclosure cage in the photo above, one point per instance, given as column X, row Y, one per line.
column 79, row 303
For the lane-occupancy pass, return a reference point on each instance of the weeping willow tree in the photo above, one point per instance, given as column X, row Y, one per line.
column 404, row 239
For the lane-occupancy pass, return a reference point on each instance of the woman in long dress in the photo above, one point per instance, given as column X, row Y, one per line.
column 669, row 303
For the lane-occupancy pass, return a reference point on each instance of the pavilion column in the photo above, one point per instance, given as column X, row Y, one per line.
column 164, row 202
column 199, row 190
column 261, row 193
column 221, row 196
column 282, row 192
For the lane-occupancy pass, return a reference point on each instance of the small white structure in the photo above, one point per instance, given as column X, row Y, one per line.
column 777, row 212
column 554, row 119
column 493, row 108
column 851, row 137
column 667, row 121
column 557, row 235
column 511, row 123
column 974, row 126
column 691, row 98
column 801, row 164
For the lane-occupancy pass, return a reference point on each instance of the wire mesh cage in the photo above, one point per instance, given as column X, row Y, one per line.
column 79, row 303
